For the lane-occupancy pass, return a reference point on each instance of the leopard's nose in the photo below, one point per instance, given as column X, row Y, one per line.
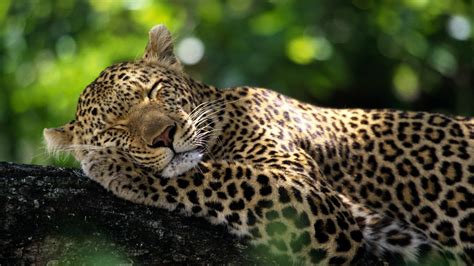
column 165, row 139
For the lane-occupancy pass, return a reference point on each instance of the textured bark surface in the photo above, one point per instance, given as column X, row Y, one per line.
column 51, row 215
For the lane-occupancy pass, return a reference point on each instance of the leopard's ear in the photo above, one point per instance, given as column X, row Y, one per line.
column 159, row 49
column 57, row 139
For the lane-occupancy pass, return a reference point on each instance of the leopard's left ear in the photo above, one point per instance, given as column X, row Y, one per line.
column 57, row 139
column 159, row 49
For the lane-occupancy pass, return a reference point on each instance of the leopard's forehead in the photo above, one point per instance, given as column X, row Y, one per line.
column 117, row 88
column 111, row 95
column 102, row 103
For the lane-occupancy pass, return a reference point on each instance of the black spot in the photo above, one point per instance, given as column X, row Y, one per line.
column 390, row 150
column 342, row 243
column 212, row 213
column 216, row 175
column 406, row 168
column 142, row 187
column 428, row 214
column 356, row 235
column 197, row 179
column 435, row 135
column 171, row 199
column 150, row 182
column 182, row 183
column 324, row 209
column 438, row 120
column 255, row 232
column 231, row 189
column 171, row 191
column 163, row 181
column 312, row 205
column 319, row 232
column 249, row 192
column 262, row 179
column 215, row 206
column 341, row 222
column 330, row 226
column 289, row 212
column 298, row 243
column 155, row 197
column 387, row 175
column 452, row 171
column 237, row 205
column 302, row 221
column 317, row 255
column 221, row 195
column 215, row 185
column 445, row 228
column 240, row 172
column 196, row 209
column 272, row 215
column 297, row 194
column 450, row 211
column 233, row 218
column 228, row 174
column 207, row 192
column 275, row 228
column 251, row 219
column 284, row 197
column 192, row 196
column 265, row 203
column 432, row 187
column 447, row 151
column 266, row 190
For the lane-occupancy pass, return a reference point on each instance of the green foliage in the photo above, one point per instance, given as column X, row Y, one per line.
column 410, row 54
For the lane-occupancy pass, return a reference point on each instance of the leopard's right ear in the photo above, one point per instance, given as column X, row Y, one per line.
column 159, row 49
column 57, row 139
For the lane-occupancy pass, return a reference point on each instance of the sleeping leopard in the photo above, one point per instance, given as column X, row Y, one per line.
column 308, row 185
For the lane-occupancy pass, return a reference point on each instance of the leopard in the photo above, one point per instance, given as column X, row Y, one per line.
column 306, row 184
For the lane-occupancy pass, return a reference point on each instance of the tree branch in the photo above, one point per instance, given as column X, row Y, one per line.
column 57, row 215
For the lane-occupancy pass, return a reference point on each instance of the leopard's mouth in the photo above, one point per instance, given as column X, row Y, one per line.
column 181, row 163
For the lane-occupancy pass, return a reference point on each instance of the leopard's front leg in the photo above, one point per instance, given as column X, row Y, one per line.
column 292, row 216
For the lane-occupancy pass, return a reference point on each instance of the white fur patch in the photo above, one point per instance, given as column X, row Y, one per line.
column 181, row 163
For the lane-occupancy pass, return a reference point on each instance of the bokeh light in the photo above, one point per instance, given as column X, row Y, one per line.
column 406, row 83
column 190, row 50
column 305, row 49
column 459, row 27
column 65, row 47
column 444, row 61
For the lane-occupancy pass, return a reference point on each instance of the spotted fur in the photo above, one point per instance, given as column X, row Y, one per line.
column 307, row 184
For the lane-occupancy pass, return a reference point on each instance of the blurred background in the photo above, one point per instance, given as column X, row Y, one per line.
column 405, row 54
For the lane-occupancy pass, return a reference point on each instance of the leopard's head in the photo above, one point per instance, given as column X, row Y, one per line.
column 147, row 109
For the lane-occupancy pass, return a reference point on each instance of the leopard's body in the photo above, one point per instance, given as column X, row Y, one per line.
column 309, row 184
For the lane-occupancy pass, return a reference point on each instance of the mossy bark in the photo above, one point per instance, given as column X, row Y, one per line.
column 51, row 215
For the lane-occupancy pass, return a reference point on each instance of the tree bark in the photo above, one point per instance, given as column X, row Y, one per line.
column 51, row 215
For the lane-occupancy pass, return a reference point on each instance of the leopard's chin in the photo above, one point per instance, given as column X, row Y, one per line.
column 181, row 163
